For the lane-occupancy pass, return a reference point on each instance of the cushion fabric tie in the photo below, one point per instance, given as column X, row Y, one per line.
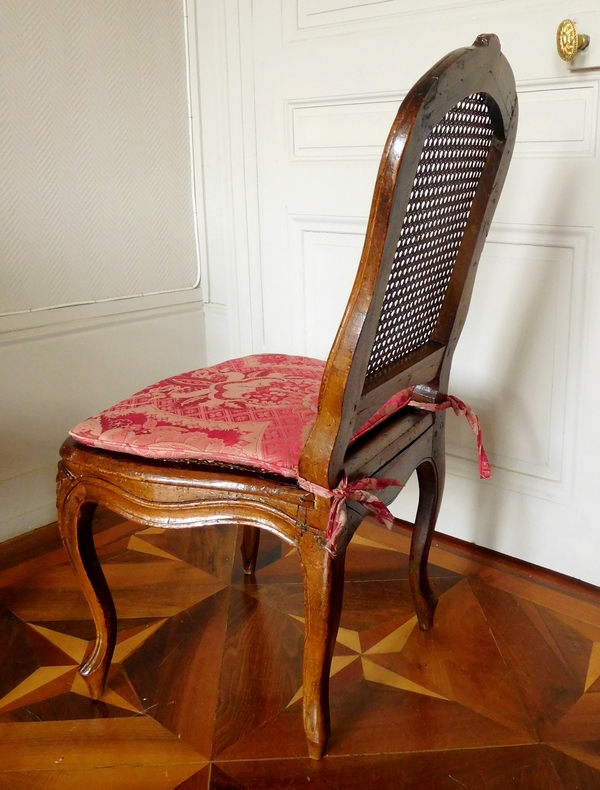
column 404, row 398
column 462, row 410
column 359, row 492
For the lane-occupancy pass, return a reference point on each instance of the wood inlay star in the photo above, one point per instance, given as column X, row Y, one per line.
column 392, row 643
column 51, row 680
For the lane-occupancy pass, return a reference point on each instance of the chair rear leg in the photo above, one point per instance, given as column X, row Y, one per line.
column 250, row 544
column 75, row 524
column 431, row 475
column 323, row 594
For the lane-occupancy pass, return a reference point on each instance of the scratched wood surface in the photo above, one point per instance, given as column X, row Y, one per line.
column 205, row 688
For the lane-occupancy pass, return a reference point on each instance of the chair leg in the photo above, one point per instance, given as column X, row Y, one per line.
column 75, row 524
column 431, row 474
column 250, row 543
column 323, row 594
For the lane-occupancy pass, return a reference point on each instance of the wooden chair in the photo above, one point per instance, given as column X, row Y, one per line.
column 439, row 180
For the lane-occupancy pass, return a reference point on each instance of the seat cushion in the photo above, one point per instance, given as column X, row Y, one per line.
column 254, row 411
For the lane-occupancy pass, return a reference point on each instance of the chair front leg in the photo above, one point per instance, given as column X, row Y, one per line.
column 75, row 523
column 323, row 593
column 431, row 475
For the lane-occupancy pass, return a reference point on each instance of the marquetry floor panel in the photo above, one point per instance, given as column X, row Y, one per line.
column 205, row 691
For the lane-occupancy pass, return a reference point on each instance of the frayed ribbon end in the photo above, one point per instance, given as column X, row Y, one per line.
column 359, row 491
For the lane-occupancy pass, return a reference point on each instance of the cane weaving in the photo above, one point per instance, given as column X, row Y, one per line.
column 446, row 180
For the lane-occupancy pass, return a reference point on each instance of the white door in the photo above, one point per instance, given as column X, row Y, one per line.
column 310, row 88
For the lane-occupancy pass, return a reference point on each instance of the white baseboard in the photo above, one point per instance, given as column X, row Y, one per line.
column 27, row 502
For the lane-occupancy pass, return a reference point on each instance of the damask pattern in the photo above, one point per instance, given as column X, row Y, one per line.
column 253, row 411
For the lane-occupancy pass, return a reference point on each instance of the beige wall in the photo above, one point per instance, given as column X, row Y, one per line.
column 100, row 249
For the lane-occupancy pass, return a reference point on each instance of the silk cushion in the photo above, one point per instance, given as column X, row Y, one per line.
column 253, row 411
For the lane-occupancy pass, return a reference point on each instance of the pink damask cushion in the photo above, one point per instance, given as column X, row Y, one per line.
column 255, row 411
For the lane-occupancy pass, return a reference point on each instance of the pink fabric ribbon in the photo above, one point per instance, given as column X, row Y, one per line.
column 404, row 398
column 358, row 491
column 462, row 410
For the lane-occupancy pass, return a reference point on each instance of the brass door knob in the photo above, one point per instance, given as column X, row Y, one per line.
column 568, row 41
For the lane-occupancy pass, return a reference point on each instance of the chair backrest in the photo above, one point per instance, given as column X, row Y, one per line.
column 439, row 180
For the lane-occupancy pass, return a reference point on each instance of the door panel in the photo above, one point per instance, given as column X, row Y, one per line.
column 325, row 80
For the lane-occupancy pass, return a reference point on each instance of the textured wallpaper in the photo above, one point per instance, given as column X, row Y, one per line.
column 95, row 174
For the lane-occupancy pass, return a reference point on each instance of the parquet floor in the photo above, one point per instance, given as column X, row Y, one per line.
column 205, row 690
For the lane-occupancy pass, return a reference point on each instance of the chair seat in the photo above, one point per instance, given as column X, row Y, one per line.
column 254, row 411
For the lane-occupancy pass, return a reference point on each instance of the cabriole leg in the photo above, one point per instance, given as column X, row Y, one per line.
column 431, row 474
column 75, row 524
column 250, row 543
column 323, row 594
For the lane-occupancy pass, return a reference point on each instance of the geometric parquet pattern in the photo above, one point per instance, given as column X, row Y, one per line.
column 205, row 691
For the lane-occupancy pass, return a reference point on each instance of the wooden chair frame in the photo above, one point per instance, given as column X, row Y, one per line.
column 191, row 494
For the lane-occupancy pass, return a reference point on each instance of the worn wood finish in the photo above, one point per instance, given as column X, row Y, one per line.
column 249, row 548
column 431, row 474
column 161, row 494
column 77, row 512
column 323, row 578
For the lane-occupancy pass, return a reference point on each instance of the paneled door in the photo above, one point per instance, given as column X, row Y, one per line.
column 312, row 87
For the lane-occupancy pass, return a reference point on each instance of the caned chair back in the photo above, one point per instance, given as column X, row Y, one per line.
column 439, row 180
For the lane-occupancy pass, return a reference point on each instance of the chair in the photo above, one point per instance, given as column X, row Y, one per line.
column 297, row 446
